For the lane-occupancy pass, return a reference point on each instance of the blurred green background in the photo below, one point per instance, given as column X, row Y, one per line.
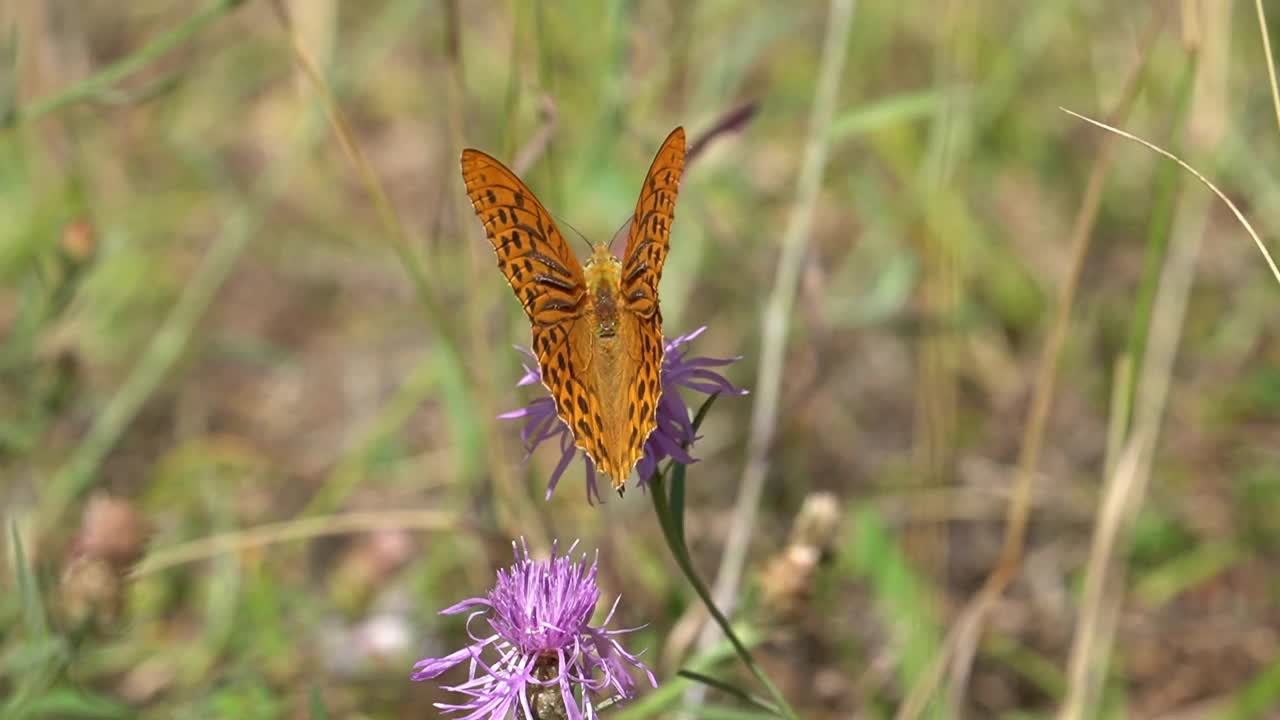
column 217, row 325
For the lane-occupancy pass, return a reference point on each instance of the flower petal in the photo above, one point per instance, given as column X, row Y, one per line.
column 428, row 668
column 674, row 434
column 567, row 451
column 465, row 605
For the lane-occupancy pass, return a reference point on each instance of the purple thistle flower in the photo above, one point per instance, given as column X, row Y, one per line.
column 538, row 612
column 670, row 439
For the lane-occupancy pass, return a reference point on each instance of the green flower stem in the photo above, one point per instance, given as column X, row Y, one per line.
column 667, row 521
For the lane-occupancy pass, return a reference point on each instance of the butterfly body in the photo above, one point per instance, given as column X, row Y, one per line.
column 604, row 279
column 597, row 330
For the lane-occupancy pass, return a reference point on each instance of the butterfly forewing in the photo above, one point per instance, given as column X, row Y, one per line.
column 650, row 232
column 547, row 279
column 642, row 260
column 532, row 254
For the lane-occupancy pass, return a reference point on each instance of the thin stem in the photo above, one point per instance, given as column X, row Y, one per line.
column 307, row 528
column 963, row 636
column 387, row 215
column 1271, row 63
column 681, row 554
column 728, row 689
column 1244, row 222
column 101, row 82
column 167, row 345
column 776, row 321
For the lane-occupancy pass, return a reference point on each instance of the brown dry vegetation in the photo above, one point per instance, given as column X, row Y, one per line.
column 210, row 325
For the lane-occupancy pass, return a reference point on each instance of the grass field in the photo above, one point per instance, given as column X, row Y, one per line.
column 1010, row 447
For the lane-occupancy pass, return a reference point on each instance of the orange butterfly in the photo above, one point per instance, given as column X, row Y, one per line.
column 597, row 331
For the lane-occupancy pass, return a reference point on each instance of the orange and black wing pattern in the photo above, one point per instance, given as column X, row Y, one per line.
column 548, row 281
column 642, row 262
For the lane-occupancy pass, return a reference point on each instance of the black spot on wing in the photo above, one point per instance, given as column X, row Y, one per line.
column 553, row 281
column 552, row 264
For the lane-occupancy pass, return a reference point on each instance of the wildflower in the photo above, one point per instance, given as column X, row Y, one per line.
column 544, row 649
column 671, row 438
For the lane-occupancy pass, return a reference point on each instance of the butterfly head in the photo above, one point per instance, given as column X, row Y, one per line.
column 603, row 262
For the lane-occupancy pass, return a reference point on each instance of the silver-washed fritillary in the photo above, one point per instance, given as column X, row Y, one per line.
column 597, row 331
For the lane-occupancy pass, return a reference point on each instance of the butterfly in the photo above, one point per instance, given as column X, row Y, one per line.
column 597, row 329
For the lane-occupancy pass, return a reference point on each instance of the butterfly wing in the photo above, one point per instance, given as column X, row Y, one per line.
column 642, row 260
column 532, row 254
column 547, row 279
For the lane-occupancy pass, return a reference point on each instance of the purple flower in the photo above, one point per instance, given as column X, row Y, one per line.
column 543, row 648
column 673, row 435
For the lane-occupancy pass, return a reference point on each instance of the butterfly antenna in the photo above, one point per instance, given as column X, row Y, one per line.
column 565, row 223
column 622, row 231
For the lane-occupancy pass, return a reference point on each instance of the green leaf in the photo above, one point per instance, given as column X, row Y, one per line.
column 318, row 709
column 904, row 598
column 68, row 703
column 884, row 113
column 1258, row 697
column 33, row 613
column 720, row 712
column 655, row 703
column 732, row 690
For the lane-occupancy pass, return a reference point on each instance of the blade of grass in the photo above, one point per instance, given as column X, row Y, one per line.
column 884, row 112
column 731, row 690
column 1125, row 490
column 656, row 702
column 100, row 83
column 962, row 638
column 460, row 397
column 34, row 618
column 1158, row 587
column 1164, row 202
column 778, row 311
column 902, row 596
column 947, row 151
column 355, row 155
column 471, row 399
column 42, row 655
column 68, row 703
column 1118, row 414
column 306, row 528
column 316, row 704
column 719, row 712
column 342, row 480
column 1271, row 62
column 1039, row 670
column 1244, row 222
column 680, row 554
column 167, row 345
column 1258, row 698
